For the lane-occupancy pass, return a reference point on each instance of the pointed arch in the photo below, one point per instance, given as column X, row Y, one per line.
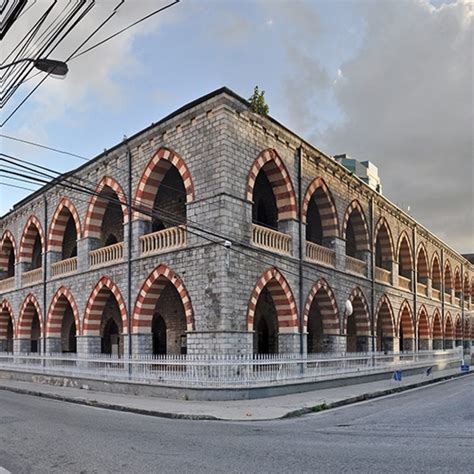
column 97, row 206
column 61, row 299
column 466, row 287
column 7, row 245
column 422, row 267
column 437, row 326
column 385, row 317
column 6, row 315
column 149, row 295
column 270, row 162
column 383, row 242
column 448, row 277
column 457, row 282
column 423, row 324
column 405, row 320
column 361, row 312
column 28, row 236
column 436, row 274
column 404, row 251
column 326, row 206
column 61, row 215
column 467, row 328
column 448, row 327
column 327, row 304
column 458, row 328
column 152, row 177
column 283, row 299
column 28, row 308
column 355, row 216
column 96, row 304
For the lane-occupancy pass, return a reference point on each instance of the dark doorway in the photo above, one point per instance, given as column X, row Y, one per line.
column 35, row 333
column 159, row 335
column 266, row 326
column 111, row 338
column 264, row 211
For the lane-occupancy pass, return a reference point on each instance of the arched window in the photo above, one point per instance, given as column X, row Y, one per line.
column 65, row 230
column 448, row 278
column 383, row 246
column 457, row 283
column 385, row 326
column 422, row 268
column 264, row 209
column 355, row 231
column 436, row 276
column 405, row 262
column 32, row 244
column 7, row 256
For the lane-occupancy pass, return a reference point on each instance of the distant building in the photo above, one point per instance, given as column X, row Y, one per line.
column 365, row 170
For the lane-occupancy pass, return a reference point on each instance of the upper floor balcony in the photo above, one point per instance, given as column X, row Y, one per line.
column 270, row 239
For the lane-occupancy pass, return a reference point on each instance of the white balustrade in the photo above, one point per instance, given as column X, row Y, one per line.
column 383, row 275
column 354, row 265
column 319, row 254
column 7, row 284
column 270, row 239
column 163, row 240
column 64, row 267
column 447, row 298
column 421, row 288
column 436, row 294
column 106, row 255
column 32, row 277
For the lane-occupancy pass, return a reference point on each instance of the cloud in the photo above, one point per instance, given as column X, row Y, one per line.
column 406, row 98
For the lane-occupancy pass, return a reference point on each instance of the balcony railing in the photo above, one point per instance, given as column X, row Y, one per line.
column 106, row 255
column 163, row 240
column 436, row 294
column 64, row 267
column 404, row 282
column 457, row 301
column 421, row 289
column 447, row 297
column 354, row 265
column 270, row 239
column 383, row 275
column 32, row 277
column 7, row 284
column 319, row 254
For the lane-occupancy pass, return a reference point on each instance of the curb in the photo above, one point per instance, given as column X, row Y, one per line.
column 182, row 416
column 368, row 396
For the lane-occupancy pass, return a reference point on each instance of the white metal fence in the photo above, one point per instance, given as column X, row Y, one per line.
column 223, row 371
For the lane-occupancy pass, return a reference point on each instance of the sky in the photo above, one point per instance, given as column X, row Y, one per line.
column 388, row 81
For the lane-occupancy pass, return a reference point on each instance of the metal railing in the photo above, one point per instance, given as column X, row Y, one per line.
column 383, row 275
column 354, row 265
column 106, row 255
column 404, row 282
column 270, row 239
column 32, row 277
column 224, row 370
column 63, row 267
column 163, row 240
column 7, row 284
column 319, row 254
column 421, row 288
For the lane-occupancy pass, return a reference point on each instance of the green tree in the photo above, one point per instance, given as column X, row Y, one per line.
column 257, row 102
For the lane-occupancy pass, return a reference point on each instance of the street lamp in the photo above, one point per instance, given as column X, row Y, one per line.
column 51, row 66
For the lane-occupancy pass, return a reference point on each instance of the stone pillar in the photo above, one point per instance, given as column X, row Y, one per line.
column 340, row 249
column 291, row 227
column 394, row 274
column 142, row 344
column 88, row 345
column 288, row 343
column 53, row 345
column 437, row 344
column 21, row 346
column 429, row 287
column 395, row 344
column 219, row 342
column 139, row 228
column 366, row 256
column 84, row 246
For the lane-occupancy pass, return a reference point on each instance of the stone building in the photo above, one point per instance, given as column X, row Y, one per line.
column 218, row 231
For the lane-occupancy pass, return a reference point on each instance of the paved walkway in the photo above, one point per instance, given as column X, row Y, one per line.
column 259, row 409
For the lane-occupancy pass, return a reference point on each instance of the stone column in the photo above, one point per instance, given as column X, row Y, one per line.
column 288, row 343
column 291, row 227
column 139, row 228
column 394, row 274
column 429, row 287
column 88, row 345
column 21, row 346
column 340, row 250
column 53, row 345
column 142, row 344
column 84, row 246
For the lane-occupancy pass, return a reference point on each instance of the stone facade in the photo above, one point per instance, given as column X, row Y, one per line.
column 216, row 278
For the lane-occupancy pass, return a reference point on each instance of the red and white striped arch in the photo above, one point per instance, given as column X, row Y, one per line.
column 7, row 244
column 404, row 251
column 466, row 286
column 448, row 326
column 457, row 280
column 359, row 223
column 458, row 327
column 437, row 325
column 61, row 300
column 28, row 236
column 64, row 210
column 326, row 206
column 383, row 234
column 448, row 276
column 25, row 320
column 422, row 266
column 405, row 320
column 361, row 313
column 423, row 323
column 283, row 300
column 149, row 295
column 152, row 177
column 96, row 305
column 322, row 295
column 6, row 314
column 385, row 317
column 436, row 273
column 272, row 165
column 98, row 204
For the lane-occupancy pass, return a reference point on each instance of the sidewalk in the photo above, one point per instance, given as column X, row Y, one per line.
column 241, row 410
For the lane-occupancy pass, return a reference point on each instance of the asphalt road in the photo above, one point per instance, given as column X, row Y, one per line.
column 425, row 430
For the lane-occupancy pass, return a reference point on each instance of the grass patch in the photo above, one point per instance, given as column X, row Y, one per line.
column 320, row 407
